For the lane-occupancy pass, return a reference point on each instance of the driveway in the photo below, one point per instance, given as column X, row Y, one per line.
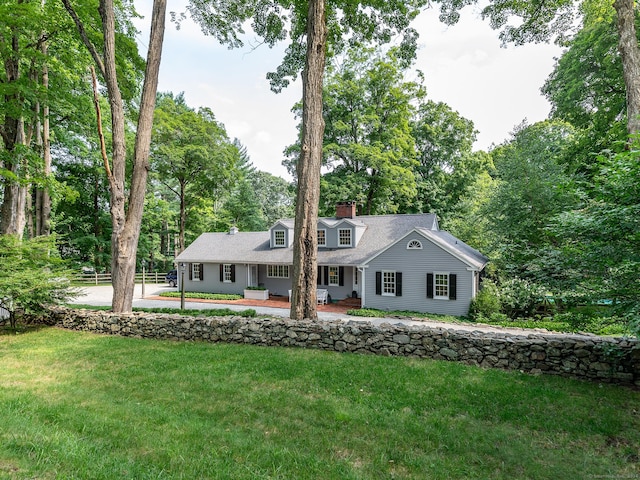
column 101, row 296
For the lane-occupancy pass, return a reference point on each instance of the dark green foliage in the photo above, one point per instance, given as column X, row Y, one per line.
column 520, row 297
column 33, row 276
column 205, row 296
column 599, row 251
column 532, row 186
column 587, row 90
column 486, row 303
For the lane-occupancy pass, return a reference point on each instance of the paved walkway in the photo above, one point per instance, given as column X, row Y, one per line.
column 101, row 296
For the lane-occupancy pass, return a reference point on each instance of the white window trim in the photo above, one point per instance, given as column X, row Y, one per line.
column 435, row 286
column 226, row 273
column 195, row 272
column 337, row 276
column 278, row 268
column 344, row 245
column 275, row 238
column 325, row 237
column 414, row 245
column 388, row 294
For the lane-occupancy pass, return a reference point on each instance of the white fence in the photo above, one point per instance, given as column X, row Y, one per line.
column 104, row 278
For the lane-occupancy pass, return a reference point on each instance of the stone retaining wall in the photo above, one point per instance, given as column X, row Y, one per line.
column 578, row 356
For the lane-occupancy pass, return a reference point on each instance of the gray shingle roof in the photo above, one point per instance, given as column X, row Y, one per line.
column 381, row 231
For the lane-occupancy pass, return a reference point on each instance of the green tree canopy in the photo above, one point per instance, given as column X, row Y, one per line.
column 191, row 154
column 533, row 186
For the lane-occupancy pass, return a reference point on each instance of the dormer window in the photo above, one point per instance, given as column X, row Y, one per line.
column 344, row 237
column 322, row 238
column 414, row 245
column 278, row 238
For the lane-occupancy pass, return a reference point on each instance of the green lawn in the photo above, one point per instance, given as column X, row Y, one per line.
column 84, row 406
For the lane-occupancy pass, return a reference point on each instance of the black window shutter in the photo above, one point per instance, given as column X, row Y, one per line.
column 398, row 284
column 429, row 285
column 221, row 272
column 341, row 276
column 326, row 275
column 378, row 283
column 319, row 281
column 453, row 287
column 233, row 273
column 201, row 271
column 190, row 267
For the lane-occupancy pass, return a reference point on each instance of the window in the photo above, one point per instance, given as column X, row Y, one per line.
column 389, row 283
column 414, row 245
column 334, row 276
column 226, row 278
column 322, row 238
column 441, row 285
column 278, row 271
column 278, row 237
column 344, row 237
column 196, row 269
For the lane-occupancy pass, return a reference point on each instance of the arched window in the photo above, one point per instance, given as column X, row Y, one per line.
column 414, row 245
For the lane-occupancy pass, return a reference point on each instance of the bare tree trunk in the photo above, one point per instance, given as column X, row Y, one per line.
column 183, row 219
column 43, row 200
column 12, row 211
column 13, row 214
column 126, row 217
column 305, row 243
column 630, row 55
column 126, row 229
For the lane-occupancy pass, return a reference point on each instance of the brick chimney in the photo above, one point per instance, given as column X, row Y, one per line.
column 346, row 209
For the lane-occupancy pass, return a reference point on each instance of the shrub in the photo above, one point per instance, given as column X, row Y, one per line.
column 486, row 303
column 520, row 297
column 203, row 296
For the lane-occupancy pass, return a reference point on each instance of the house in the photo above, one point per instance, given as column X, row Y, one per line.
column 390, row 262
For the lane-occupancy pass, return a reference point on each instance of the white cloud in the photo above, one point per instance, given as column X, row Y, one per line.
column 464, row 66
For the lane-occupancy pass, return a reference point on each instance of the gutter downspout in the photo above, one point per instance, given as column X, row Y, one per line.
column 363, row 286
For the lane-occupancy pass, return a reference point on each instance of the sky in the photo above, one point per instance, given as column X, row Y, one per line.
column 464, row 66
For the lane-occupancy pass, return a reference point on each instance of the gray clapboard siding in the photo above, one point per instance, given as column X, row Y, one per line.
column 414, row 265
column 211, row 283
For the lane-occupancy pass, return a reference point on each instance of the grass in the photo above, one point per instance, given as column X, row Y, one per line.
column 76, row 405
column 193, row 312
column 598, row 325
column 204, row 296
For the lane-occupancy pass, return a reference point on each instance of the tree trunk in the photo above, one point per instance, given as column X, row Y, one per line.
column 126, row 225
column 305, row 243
column 630, row 55
column 43, row 200
column 12, row 211
column 183, row 219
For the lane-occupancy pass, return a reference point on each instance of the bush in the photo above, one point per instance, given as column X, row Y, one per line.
column 520, row 297
column 486, row 303
column 203, row 296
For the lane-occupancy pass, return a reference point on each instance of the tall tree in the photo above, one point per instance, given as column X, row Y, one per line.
column 275, row 195
column 532, row 187
column 368, row 147
column 587, row 90
column 598, row 253
column 448, row 167
column 191, row 153
column 126, row 213
column 21, row 43
column 312, row 26
column 543, row 20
